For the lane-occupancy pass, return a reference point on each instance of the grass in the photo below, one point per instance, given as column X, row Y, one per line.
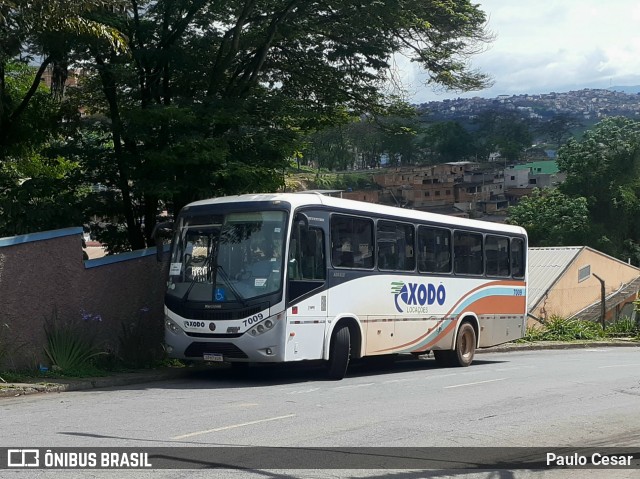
column 68, row 351
column 562, row 329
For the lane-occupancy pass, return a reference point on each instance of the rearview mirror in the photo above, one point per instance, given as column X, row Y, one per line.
column 162, row 232
column 301, row 218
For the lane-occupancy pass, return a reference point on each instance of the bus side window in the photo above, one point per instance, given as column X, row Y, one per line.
column 517, row 258
column 434, row 250
column 395, row 246
column 468, row 254
column 497, row 255
column 352, row 242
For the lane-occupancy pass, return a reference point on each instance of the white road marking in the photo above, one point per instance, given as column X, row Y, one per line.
column 473, row 384
column 354, row 386
column 618, row 366
column 233, row 426
column 438, row 376
column 244, row 404
column 303, row 391
column 519, row 368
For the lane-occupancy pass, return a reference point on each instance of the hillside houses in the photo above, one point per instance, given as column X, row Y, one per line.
column 588, row 104
column 463, row 188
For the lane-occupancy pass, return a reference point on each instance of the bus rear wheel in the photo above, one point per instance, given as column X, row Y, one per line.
column 339, row 353
column 465, row 348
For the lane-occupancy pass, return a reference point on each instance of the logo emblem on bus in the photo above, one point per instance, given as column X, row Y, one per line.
column 417, row 294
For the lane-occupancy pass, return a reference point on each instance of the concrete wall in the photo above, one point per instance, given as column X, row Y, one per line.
column 569, row 296
column 43, row 274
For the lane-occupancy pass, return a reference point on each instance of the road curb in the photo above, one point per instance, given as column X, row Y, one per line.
column 541, row 346
column 147, row 376
column 65, row 385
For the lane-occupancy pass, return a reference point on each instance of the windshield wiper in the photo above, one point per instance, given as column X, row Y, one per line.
column 214, row 268
column 227, row 281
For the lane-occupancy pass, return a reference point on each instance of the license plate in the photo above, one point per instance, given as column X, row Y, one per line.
column 212, row 357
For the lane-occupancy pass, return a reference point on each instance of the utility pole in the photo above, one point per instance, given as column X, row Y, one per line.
column 603, row 308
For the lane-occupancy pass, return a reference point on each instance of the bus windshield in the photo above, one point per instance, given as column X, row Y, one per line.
column 227, row 258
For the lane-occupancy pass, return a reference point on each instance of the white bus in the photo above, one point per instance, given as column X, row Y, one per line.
column 302, row 276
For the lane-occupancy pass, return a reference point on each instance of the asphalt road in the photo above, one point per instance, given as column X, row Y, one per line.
column 577, row 398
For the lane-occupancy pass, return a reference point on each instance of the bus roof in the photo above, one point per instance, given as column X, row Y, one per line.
column 308, row 198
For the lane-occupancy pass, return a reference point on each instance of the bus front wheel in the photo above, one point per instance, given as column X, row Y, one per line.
column 339, row 354
column 465, row 346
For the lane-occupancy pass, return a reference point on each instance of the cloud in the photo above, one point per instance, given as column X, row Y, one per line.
column 548, row 46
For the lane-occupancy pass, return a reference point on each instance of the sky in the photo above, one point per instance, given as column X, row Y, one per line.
column 550, row 45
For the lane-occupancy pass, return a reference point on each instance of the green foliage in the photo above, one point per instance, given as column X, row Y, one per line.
column 39, row 189
column 560, row 128
column 626, row 327
column 504, row 132
column 561, row 329
column 552, row 218
column 359, row 181
column 189, row 99
column 604, row 167
column 39, row 194
column 68, row 350
column 449, row 141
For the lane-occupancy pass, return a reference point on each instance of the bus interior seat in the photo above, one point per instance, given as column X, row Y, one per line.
column 346, row 259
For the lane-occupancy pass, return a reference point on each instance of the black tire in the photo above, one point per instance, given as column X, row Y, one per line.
column 465, row 347
column 339, row 353
column 443, row 358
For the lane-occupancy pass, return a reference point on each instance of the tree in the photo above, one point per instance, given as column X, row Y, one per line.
column 449, row 140
column 41, row 30
column 502, row 131
column 216, row 94
column 558, row 128
column 604, row 167
column 39, row 189
column 552, row 218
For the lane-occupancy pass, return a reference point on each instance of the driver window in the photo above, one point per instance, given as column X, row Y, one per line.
column 306, row 255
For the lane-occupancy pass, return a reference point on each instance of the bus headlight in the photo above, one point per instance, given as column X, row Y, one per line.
column 172, row 325
column 261, row 328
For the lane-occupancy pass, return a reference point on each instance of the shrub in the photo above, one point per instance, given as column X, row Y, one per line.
column 67, row 348
column 561, row 329
column 623, row 327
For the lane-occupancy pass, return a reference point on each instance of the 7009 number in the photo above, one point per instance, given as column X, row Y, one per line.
column 253, row 319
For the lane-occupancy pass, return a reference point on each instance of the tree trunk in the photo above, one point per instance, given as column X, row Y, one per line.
column 3, row 120
column 136, row 238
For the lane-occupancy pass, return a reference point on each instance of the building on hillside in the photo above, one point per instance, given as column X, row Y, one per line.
column 542, row 174
column 419, row 187
column 516, row 178
column 514, row 195
column 562, row 282
column 370, row 196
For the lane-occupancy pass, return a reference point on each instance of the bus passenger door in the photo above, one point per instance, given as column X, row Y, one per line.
column 306, row 293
